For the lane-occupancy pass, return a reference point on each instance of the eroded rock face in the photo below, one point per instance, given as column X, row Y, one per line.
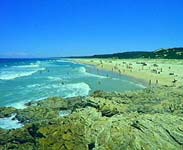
column 150, row 119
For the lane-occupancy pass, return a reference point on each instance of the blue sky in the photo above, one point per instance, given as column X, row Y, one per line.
column 42, row 28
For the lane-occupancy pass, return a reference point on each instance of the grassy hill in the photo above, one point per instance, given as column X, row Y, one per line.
column 170, row 53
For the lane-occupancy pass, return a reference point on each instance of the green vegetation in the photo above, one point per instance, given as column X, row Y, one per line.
column 150, row 119
column 171, row 53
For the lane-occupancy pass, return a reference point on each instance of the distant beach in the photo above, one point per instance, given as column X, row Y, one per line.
column 152, row 71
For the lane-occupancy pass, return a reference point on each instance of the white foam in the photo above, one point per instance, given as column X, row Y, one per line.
column 10, row 123
column 141, row 85
column 18, row 105
column 138, row 84
column 14, row 75
column 62, row 61
column 66, row 91
column 55, row 78
column 83, row 71
column 42, row 98
column 64, row 113
column 76, row 89
column 22, row 104
column 33, row 85
column 28, row 66
column 14, row 72
column 67, row 61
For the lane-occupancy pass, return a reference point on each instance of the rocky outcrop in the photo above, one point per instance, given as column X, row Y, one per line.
column 148, row 119
column 6, row 111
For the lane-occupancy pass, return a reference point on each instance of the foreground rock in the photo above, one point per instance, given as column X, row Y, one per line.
column 145, row 120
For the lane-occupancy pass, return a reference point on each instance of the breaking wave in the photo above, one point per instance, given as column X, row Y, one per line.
column 13, row 72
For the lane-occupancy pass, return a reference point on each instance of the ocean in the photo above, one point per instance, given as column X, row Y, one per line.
column 26, row 80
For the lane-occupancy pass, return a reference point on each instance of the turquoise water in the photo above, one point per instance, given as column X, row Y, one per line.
column 23, row 80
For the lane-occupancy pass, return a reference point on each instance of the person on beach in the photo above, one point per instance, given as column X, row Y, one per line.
column 149, row 82
column 157, row 81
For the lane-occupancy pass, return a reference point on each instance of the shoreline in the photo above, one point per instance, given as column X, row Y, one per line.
column 143, row 83
column 125, row 119
column 148, row 71
column 135, row 79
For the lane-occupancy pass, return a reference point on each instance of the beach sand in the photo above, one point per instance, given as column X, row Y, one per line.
column 152, row 71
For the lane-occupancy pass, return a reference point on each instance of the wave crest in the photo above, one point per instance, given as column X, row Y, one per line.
column 76, row 89
column 14, row 72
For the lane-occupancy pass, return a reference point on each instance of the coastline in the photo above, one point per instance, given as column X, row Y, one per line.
column 111, row 74
column 82, row 80
column 148, row 71
column 134, row 79
column 101, row 120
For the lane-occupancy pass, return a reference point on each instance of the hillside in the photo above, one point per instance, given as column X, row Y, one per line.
column 170, row 53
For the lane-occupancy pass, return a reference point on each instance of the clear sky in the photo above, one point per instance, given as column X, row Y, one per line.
column 41, row 28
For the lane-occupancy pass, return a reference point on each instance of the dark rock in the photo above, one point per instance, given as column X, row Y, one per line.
column 91, row 146
column 33, row 131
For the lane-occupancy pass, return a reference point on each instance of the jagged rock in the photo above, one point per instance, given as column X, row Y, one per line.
column 148, row 119
column 32, row 114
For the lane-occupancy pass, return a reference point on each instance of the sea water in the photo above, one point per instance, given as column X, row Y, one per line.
column 25, row 80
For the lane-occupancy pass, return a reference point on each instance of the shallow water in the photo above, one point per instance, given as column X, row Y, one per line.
column 23, row 80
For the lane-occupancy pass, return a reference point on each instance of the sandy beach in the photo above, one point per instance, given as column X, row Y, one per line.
column 152, row 71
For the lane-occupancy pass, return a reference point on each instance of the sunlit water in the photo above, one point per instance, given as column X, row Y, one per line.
column 22, row 81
